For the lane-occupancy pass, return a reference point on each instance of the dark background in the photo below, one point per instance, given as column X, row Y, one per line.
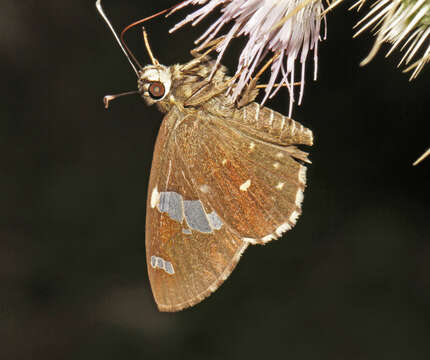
column 351, row 281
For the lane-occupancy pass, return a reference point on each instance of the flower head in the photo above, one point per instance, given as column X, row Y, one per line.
column 405, row 22
column 288, row 29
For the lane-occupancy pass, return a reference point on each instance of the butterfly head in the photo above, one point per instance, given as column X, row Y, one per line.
column 154, row 83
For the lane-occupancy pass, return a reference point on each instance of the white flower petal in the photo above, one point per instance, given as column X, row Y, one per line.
column 269, row 29
column 399, row 22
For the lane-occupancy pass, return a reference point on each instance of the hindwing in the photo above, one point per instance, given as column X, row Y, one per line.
column 190, row 251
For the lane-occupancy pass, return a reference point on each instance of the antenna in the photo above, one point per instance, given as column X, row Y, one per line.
column 127, row 52
column 148, row 48
column 145, row 35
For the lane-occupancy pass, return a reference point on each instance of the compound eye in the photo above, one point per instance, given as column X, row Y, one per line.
column 156, row 90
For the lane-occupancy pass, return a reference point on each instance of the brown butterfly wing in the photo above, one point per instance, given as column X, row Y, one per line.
column 218, row 184
column 189, row 252
column 254, row 185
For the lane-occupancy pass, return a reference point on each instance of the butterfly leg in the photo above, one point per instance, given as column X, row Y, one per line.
column 198, row 57
column 249, row 94
column 211, row 45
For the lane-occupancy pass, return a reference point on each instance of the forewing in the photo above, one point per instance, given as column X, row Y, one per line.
column 189, row 249
column 255, row 186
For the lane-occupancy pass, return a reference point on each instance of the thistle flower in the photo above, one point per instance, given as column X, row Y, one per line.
column 398, row 22
column 405, row 22
column 289, row 29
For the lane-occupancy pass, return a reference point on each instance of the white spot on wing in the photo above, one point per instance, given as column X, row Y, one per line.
column 224, row 161
column 155, row 197
column 245, row 185
column 299, row 197
column 279, row 155
column 293, row 217
column 249, row 240
column 282, row 228
column 252, row 145
column 276, row 165
column 280, row 185
column 204, row 188
column 267, row 238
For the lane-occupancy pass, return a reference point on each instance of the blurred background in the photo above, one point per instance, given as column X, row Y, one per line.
column 350, row 281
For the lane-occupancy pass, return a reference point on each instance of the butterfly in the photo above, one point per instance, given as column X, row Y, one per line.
column 223, row 177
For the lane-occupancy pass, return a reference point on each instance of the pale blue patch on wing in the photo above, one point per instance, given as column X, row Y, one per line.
column 158, row 262
column 168, row 267
column 171, row 203
column 153, row 261
column 196, row 216
column 215, row 220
